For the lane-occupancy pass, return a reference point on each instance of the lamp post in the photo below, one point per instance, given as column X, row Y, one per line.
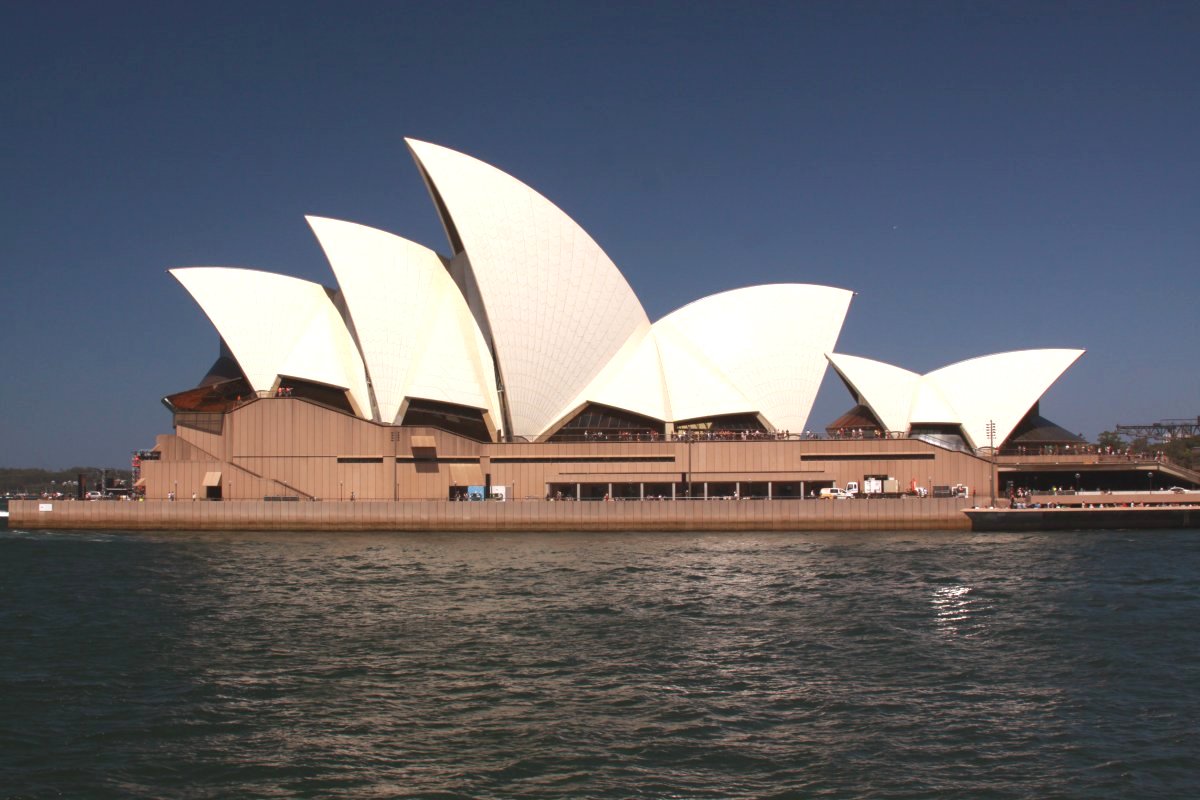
column 395, row 481
column 689, row 467
column 991, row 432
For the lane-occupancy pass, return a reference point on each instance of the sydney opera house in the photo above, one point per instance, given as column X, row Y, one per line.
column 519, row 363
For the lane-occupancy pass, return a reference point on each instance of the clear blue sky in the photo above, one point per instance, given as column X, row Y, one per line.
column 987, row 176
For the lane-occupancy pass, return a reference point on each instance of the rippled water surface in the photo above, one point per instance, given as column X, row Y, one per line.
column 586, row 665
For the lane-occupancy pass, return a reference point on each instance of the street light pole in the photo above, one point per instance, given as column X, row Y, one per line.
column 991, row 432
column 689, row 472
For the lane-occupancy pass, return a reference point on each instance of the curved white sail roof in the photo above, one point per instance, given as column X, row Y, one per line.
column 885, row 389
column 529, row 296
column 930, row 406
column 998, row 388
column 695, row 386
column 753, row 350
column 557, row 307
column 664, row 376
column 768, row 341
column 632, row 381
column 414, row 329
column 277, row 325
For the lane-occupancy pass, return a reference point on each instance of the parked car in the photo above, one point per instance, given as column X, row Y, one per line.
column 94, row 495
column 835, row 494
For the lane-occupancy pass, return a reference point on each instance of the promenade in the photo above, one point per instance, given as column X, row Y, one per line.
column 521, row 515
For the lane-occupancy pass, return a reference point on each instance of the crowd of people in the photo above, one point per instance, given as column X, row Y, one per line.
column 708, row 435
column 864, row 433
column 1083, row 449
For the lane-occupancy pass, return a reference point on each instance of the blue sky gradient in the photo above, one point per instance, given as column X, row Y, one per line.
column 986, row 176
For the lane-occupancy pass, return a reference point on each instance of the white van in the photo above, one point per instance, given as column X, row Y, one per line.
column 835, row 494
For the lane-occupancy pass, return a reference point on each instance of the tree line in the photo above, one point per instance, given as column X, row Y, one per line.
column 1183, row 451
column 28, row 480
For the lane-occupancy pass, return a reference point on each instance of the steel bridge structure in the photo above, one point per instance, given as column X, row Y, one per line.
column 1162, row 431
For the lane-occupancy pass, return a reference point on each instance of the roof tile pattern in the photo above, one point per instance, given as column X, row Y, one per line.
column 566, row 329
column 416, row 334
column 885, row 389
column 298, row 333
column 998, row 388
column 768, row 341
column 558, row 308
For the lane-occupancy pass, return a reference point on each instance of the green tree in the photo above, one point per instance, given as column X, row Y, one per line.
column 26, row 480
column 1184, row 452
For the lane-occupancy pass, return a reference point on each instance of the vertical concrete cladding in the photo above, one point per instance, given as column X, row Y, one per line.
column 278, row 325
column 768, row 341
column 416, row 334
column 558, row 309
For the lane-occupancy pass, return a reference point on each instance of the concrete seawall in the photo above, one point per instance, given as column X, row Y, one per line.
column 1078, row 519
column 531, row 515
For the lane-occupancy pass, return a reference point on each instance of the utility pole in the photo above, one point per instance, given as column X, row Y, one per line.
column 689, row 462
column 991, row 432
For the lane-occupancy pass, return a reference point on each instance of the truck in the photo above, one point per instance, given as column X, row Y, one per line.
column 871, row 486
column 880, row 486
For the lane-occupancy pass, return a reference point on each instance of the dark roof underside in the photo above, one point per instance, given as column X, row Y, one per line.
column 858, row 417
column 1036, row 430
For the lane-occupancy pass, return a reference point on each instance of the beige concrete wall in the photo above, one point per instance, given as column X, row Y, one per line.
column 535, row 515
column 288, row 446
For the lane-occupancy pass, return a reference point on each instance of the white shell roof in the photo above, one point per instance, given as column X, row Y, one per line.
column 929, row 406
column 695, row 386
column 551, row 313
column 885, row 389
column 278, row 325
column 749, row 350
column 998, row 388
column 767, row 341
column 663, row 376
column 558, row 309
column 415, row 332
column 633, row 381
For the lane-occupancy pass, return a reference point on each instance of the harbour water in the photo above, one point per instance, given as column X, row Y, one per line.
column 209, row 665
